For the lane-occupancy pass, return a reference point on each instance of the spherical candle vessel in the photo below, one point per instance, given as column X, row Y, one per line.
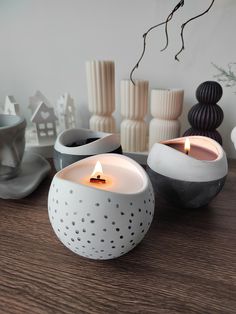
column 101, row 214
column 191, row 177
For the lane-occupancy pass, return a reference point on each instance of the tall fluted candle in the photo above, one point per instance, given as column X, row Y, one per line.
column 166, row 107
column 101, row 94
column 134, row 102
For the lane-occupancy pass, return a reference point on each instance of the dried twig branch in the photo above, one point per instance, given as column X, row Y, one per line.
column 184, row 25
column 168, row 19
column 180, row 4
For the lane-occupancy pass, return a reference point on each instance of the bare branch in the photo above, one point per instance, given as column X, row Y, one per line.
column 170, row 16
column 184, row 25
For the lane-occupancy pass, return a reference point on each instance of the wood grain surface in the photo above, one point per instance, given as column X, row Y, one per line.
column 185, row 264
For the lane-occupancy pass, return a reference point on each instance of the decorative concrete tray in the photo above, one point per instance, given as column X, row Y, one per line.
column 34, row 169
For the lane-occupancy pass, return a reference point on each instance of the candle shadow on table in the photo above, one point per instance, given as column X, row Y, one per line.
column 168, row 215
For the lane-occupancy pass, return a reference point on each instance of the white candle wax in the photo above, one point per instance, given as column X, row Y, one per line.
column 121, row 175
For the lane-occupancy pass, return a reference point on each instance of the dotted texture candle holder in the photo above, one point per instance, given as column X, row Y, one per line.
column 206, row 116
column 166, row 107
column 134, row 102
column 99, row 224
column 101, row 94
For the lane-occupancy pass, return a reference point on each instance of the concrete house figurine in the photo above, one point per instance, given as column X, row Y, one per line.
column 11, row 106
column 66, row 112
column 45, row 121
column 35, row 100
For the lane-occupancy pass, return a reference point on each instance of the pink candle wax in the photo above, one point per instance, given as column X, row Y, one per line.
column 197, row 152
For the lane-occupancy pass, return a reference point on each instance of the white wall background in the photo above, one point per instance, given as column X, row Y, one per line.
column 45, row 43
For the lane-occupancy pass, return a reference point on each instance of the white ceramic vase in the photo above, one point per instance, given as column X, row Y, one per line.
column 101, row 94
column 166, row 107
column 134, row 103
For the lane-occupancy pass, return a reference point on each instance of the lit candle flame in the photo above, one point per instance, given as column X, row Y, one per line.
column 97, row 173
column 187, row 146
column 97, row 169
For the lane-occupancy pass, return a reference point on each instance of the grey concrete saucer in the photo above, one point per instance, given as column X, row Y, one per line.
column 34, row 169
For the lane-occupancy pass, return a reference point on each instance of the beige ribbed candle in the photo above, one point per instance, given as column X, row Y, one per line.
column 134, row 102
column 101, row 94
column 166, row 107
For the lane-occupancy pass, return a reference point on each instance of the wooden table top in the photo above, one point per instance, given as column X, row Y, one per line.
column 185, row 264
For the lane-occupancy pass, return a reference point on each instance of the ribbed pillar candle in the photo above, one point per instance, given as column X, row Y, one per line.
column 101, row 94
column 206, row 116
column 166, row 107
column 134, row 103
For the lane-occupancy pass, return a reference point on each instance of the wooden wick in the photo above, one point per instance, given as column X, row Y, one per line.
column 97, row 180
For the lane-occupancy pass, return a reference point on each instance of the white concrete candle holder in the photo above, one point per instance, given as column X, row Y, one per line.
column 101, row 220
column 190, row 178
column 101, row 95
column 166, row 107
column 134, row 102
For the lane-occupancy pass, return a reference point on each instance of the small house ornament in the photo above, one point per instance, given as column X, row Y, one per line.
column 45, row 121
column 34, row 101
column 66, row 112
column 11, row 107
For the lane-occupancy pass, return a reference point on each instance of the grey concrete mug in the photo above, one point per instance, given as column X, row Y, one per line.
column 12, row 145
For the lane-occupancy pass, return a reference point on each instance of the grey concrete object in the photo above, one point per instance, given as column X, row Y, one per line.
column 185, row 194
column 64, row 155
column 185, row 181
column 33, row 170
column 12, row 144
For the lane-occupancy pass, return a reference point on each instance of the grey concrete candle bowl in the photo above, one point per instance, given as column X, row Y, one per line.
column 75, row 144
column 12, row 145
column 183, row 180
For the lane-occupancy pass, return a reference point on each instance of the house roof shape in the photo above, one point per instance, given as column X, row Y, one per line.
column 12, row 105
column 36, row 99
column 43, row 114
column 10, row 99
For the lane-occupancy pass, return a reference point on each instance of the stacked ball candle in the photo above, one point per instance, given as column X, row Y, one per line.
column 134, row 102
column 101, row 94
column 166, row 107
column 206, row 116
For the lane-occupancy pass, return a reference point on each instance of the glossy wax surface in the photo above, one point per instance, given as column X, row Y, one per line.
column 122, row 174
column 198, row 152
